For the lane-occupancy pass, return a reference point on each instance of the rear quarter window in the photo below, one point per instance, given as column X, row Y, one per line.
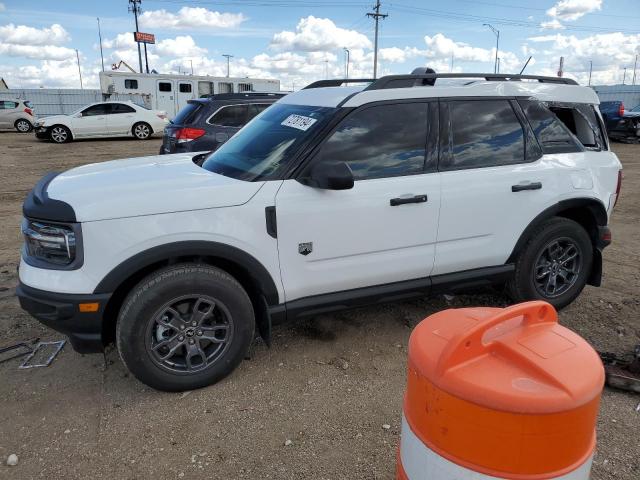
column 553, row 135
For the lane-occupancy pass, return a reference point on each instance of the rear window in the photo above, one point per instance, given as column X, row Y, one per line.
column 187, row 113
column 27, row 104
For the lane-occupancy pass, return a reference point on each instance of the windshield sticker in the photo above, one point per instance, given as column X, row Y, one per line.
column 298, row 121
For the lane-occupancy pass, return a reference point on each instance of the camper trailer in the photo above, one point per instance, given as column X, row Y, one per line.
column 171, row 92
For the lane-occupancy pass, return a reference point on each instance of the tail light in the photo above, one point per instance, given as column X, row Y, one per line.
column 621, row 110
column 618, row 187
column 28, row 111
column 188, row 134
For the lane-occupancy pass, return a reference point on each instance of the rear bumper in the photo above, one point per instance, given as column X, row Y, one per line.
column 61, row 312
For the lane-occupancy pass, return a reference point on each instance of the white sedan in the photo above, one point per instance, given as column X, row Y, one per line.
column 102, row 119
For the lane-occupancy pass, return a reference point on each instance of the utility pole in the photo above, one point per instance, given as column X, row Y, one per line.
column 346, row 68
column 191, row 60
column 79, row 71
column 624, row 75
column 376, row 15
column 326, row 68
column 451, row 68
column 100, row 38
column 496, row 32
column 134, row 6
column 228, row 57
column 635, row 64
column 590, row 71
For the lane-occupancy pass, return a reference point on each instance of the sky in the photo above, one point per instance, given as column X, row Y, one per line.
column 299, row 41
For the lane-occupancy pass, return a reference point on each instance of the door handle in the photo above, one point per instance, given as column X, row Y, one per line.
column 526, row 186
column 394, row 202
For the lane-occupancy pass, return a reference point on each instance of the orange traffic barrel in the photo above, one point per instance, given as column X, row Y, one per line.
column 499, row 393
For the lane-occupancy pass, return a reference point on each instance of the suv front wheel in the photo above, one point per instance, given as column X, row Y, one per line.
column 184, row 327
column 554, row 264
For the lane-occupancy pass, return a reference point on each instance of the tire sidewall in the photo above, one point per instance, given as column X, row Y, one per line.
column 68, row 139
column 554, row 229
column 155, row 291
column 25, row 121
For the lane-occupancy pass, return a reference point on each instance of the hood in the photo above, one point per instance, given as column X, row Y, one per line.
column 51, row 119
column 146, row 186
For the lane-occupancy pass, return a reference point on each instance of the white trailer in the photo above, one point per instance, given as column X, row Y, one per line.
column 171, row 92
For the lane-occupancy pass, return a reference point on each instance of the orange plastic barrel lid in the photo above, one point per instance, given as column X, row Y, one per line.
column 505, row 392
column 517, row 359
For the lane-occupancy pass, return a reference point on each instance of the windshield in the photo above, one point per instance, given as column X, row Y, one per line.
column 266, row 144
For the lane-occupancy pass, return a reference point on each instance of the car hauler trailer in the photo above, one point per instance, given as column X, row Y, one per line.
column 171, row 92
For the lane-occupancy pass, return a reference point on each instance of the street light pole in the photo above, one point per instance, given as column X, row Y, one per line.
column 79, row 71
column 100, row 38
column 496, row 32
column 228, row 57
column 590, row 70
column 346, row 69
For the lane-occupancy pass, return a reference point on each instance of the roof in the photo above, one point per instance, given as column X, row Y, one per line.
column 334, row 96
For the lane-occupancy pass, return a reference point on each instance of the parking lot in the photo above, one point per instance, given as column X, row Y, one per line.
column 330, row 384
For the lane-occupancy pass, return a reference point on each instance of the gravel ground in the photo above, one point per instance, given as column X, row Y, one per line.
column 328, row 384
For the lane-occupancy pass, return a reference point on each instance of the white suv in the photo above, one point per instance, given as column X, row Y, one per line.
column 103, row 119
column 334, row 197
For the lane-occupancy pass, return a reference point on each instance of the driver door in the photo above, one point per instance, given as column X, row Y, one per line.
column 381, row 231
column 92, row 121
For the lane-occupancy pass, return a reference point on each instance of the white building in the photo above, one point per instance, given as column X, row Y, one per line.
column 171, row 92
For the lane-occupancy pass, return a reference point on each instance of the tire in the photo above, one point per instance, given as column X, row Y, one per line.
column 541, row 261
column 155, row 330
column 23, row 126
column 142, row 131
column 60, row 134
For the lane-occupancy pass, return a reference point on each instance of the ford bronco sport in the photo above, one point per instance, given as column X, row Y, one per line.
column 336, row 196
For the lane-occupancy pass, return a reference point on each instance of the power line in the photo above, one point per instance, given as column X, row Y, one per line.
column 376, row 15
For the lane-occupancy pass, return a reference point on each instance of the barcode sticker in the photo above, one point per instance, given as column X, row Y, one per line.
column 298, row 121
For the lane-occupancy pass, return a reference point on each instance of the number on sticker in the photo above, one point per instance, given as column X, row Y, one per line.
column 298, row 121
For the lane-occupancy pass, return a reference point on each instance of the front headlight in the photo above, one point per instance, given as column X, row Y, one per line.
column 38, row 123
column 50, row 244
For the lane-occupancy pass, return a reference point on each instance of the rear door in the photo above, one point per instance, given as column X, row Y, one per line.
column 495, row 181
column 120, row 119
column 92, row 121
column 381, row 231
column 165, row 97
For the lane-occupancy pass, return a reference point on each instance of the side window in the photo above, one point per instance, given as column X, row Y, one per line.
column 130, row 84
column 231, row 116
column 380, row 141
column 164, row 86
column 121, row 108
column 8, row 105
column 485, row 133
column 100, row 109
column 552, row 134
column 256, row 108
column 185, row 88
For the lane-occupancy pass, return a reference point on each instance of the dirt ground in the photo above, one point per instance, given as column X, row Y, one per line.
column 328, row 384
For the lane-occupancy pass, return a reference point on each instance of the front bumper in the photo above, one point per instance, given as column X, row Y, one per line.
column 61, row 312
column 41, row 132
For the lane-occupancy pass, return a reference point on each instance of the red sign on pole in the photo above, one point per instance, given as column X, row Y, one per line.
column 144, row 37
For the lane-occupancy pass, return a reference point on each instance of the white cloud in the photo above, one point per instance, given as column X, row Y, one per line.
column 190, row 17
column 573, row 9
column 48, row 52
column 23, row 35
column 554, row 24
column 318, row 34
column 181, row 46
column 122, row 40
column 52, row 74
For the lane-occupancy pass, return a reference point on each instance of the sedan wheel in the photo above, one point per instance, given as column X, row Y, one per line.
column 141, row 131
column 59, row 134
column 23, row 126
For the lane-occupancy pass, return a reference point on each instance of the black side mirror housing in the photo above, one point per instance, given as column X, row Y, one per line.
column 329, row 176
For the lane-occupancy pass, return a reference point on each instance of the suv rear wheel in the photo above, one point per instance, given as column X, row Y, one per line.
column 185, row 327
column 554, row 264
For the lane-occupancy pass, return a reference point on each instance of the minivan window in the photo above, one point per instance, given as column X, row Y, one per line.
column 263, row 148
column 553, row 136
column 380, row 141
column 230, row 116
column 485, row 133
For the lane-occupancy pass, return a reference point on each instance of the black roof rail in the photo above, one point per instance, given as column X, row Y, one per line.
column 407, row 81
column 238, row 95
column 337, row 82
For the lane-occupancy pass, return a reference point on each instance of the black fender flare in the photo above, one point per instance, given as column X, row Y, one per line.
column 256, row 271
column 597, row 210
